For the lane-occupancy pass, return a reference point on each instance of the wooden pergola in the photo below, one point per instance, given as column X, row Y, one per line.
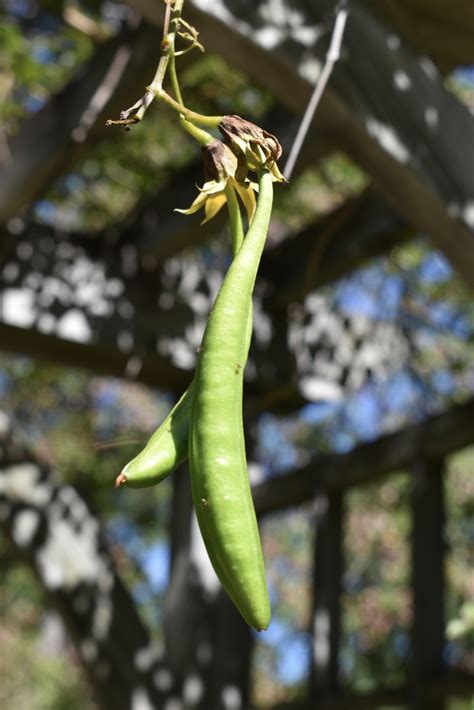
column 387, row 108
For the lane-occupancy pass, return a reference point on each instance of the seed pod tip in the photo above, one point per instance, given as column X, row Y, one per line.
column 120, row 480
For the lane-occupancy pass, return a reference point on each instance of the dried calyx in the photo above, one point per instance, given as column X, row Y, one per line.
column 253, row 146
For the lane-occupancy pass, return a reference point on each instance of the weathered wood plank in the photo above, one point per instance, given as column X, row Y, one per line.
column 441, row 30
column 427, row 577
column 73, row 120
column 102, row 359
column 361, row 229
column 433, row 439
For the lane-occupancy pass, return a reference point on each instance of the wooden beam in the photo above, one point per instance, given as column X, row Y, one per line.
column 102, row 359
column 73, row 120
column 428, row 578
column 327, row 588
column 357, row 231
column 433, row 439
column 387, row 109
column 441, row 30
column 449, row 685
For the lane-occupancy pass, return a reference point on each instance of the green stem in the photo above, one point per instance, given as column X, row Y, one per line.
column 202, row 137
column 135, row 113
column 174, row 77
column 167, row 46
column 235, row 218
column 199, row 118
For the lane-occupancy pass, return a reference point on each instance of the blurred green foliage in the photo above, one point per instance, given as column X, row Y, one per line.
column 34, row 63
column 34, row 673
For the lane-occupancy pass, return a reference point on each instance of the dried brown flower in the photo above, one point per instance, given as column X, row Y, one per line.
column 252, row 145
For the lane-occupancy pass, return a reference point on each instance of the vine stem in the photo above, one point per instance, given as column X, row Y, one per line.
column 199, row 118
column 170, row 28
column 202, row 137
column 135, row 113
column 166, row 23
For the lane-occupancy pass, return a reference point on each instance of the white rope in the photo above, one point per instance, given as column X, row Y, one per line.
column 333, row 54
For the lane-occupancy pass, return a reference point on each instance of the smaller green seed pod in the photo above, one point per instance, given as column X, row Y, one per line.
column 166, row 449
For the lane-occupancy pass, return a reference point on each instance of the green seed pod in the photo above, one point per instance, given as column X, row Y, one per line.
column 219, row 478
column 166, row 449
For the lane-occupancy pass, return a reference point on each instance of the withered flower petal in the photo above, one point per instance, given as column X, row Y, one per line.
column 220, row 167
column 247, row 195
column 213, row 206
column 219, row 161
